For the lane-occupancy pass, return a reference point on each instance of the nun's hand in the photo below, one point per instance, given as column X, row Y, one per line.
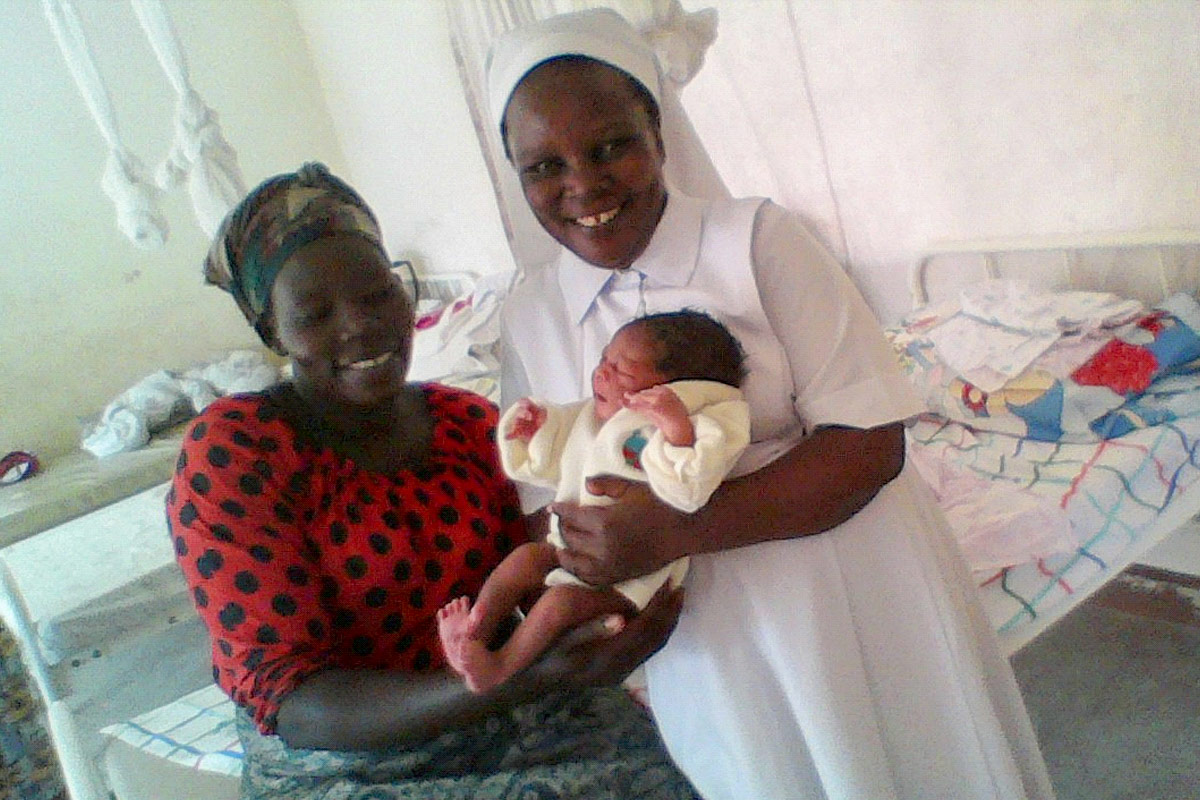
column 635, row 536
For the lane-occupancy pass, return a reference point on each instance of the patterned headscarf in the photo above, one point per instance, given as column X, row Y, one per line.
column 276, row 219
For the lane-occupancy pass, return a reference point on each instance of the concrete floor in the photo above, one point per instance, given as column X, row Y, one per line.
column 1114, row 693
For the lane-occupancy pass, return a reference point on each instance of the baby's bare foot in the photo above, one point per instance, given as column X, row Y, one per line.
column 453, row 622
column 481, row 669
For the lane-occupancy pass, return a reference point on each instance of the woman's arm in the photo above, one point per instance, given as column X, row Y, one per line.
column 820, row 483
column 371, row 709
column 343, row 709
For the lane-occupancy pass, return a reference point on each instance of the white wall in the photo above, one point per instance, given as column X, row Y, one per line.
column 893, row 126
column 897, row 125
column 83, row 313
column 392, row 88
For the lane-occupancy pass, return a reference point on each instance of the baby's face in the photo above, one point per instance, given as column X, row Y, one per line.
column 626, row 365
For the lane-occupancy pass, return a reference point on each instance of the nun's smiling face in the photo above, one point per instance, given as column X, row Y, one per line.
column 590, row 159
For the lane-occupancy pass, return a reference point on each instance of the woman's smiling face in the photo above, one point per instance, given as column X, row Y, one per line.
column 345, row 321
column 590, row 159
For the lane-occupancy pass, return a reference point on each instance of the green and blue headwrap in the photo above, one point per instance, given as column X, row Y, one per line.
column 281, row 215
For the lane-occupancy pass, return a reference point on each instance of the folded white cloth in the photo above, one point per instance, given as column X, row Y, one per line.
column 1013, row 304
column 988, row 355
column 239, row 371
column 119, row 429
column 1004, row 326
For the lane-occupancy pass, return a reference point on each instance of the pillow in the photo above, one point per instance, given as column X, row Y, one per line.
column 458, row 344
column 1118, row 388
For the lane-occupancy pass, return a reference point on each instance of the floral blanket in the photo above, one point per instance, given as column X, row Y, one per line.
column 1140, row 374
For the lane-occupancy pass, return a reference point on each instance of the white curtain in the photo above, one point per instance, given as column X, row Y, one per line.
column 753, row 104
column 136, row 199
column 200, row 157
column 680, row 40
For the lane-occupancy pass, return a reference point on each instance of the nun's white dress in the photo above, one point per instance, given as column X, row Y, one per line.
column 850, row 665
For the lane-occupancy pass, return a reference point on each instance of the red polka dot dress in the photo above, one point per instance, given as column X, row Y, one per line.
column 298, row 560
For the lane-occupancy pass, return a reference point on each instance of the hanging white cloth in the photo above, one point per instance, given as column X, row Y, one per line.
column 679, row 40
column 199, row 155
column 139, row 215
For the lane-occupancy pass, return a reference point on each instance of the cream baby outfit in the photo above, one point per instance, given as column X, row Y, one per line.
column 572, row 446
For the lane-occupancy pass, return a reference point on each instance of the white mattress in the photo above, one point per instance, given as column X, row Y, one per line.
column 97, row 577
column 78, row 483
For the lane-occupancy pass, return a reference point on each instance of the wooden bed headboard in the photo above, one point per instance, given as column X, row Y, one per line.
column 1146, row 265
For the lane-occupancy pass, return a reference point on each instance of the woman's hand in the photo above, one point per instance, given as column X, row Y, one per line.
column 369, row 709
column 604, row 651
column 635, row 536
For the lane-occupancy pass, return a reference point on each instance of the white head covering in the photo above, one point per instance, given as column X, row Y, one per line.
column 598, row 33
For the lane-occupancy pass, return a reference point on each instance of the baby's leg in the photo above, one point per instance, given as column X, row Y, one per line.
column 521, row 574
column 557, row 611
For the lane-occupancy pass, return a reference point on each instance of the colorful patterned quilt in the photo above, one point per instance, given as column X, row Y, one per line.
column 1120, row 496
column 1117, row 386
column 1068, row 469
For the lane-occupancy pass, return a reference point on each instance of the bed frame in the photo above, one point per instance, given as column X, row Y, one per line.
column 1146, row 265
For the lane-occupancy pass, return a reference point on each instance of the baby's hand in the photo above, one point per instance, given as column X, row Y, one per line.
column 526, row 421
column 666, row 411
column 657, row 402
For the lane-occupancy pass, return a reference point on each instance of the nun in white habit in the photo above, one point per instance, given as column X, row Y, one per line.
column 831, row 644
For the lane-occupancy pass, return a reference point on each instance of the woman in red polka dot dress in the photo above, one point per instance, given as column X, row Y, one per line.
column 322, row 523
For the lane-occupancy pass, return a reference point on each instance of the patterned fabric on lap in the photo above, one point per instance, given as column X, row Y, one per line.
column 594, row 745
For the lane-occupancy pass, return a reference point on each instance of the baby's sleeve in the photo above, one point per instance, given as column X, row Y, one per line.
column 685, row 477
column 537, row 461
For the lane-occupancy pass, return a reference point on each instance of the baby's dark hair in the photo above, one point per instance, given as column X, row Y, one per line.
column 694, row 346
